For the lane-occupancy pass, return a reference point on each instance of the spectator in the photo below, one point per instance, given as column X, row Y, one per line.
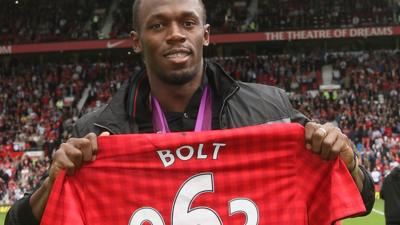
column 390, row 193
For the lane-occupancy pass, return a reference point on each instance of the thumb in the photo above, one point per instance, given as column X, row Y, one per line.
column 106, row 133
column 103, row 134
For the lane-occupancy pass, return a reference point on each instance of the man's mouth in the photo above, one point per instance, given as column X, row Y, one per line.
column 177, row 53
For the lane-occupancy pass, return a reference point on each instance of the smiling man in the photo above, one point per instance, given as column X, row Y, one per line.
column 170, row 38
column 178, row 91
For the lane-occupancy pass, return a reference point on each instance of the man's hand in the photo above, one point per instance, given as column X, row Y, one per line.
column 70, row 157
column 329, row 142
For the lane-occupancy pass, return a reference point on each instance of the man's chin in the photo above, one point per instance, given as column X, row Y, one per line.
column 179, row 77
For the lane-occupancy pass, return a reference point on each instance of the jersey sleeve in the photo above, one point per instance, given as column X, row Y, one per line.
column 327, row 189
column 65, row 204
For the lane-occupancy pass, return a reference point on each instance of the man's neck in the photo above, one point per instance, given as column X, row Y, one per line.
column 174, row 98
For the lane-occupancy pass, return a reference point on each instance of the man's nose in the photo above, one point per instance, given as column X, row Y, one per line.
column 175, row 34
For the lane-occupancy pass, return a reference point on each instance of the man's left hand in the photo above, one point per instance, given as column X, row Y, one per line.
column 328, row 141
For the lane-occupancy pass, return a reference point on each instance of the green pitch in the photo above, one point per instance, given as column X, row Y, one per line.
column 2, row 218
column 375, row 218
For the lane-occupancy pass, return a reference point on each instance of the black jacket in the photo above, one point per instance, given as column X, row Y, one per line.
column 243, row 104
column 390, row 192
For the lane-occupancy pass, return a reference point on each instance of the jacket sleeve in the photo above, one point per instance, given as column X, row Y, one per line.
column 299, row 117
column 21, row 213
column 368, row 191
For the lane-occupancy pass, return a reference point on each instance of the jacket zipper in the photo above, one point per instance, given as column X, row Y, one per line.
column 224, row 103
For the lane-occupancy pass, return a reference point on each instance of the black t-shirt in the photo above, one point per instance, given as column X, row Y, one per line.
column 181, row 121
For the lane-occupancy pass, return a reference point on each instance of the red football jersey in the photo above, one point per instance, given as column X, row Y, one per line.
column 252, row 175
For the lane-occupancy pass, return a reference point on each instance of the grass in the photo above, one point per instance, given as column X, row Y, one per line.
column 3, row 211
column 2, row 218
column 375, row 218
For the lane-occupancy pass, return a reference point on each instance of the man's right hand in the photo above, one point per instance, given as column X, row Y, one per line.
column 70, row 157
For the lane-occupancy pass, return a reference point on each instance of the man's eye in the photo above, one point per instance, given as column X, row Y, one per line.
column 188, row 24
column 156, row 26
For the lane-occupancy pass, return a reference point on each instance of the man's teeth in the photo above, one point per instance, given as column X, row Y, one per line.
column 177, row 55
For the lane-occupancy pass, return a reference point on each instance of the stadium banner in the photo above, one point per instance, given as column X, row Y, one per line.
column 258, row 175
column 308, row 34
column 216, row 39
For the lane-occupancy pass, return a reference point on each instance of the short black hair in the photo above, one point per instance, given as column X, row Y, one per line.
column 135, row 14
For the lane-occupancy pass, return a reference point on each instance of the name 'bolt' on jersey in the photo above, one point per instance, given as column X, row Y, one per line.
column 252, row 175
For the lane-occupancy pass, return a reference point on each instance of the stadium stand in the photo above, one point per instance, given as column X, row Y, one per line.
column 291, row 14
column 365, row 108
column 48, row 21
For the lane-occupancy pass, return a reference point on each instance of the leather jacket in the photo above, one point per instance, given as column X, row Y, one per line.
column 243, row 104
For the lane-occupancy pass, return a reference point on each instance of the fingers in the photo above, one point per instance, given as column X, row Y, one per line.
column 339, row 145
column 315, row 136
column 309, row 131
column 60, row 161
column 71, row 155
column 318, row 138
column 85, row 146
column 105, row 133
column 94, row 144
column 325, row 140
column 92, row 151
column 326, row 145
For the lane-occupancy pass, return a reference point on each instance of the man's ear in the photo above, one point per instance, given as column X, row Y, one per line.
column 206, row 38
column 137, row 47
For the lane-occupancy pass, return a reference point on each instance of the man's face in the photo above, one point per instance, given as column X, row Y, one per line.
column 171, row 37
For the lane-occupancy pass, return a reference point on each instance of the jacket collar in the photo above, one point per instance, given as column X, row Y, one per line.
column 129, row 103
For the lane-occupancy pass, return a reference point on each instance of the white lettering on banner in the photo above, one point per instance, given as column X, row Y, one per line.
column 309, row 34
column 5, row 50
column 186, row 152
column 371, row 31
column 329, row 33
column 339, row 33
column 183, row 213
column 275, row 36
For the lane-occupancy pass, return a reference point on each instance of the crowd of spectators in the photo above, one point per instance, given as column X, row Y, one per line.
column 232, row 16
column 37, row 111
column 38, row 102
column 38, row 107
column 45, row 21
column 366, row 107
column 292, row 14
column 19, row 175
column 224, row 15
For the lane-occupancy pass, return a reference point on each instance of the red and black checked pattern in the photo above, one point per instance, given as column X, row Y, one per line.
column 264, row 165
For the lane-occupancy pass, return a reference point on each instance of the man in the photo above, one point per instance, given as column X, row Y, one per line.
column 390, row 193
column 170, row 35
